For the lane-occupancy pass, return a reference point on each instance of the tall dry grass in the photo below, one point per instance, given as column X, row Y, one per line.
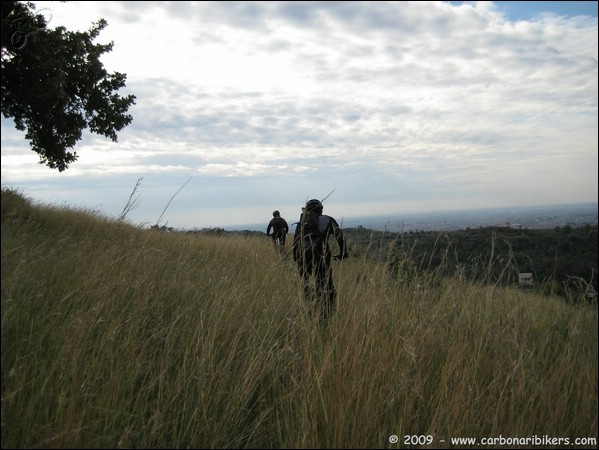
column 118, row 337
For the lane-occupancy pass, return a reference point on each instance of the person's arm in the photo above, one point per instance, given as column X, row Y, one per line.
column 340, row 238
column 295, row 246
column 268, row 228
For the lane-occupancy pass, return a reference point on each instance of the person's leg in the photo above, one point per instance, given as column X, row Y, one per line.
column 276, row 243
column 331, row 293
column 306, row 266
column 325, row 287
column 282, row 245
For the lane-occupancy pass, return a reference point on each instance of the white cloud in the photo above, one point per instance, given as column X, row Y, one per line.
column 412, row 105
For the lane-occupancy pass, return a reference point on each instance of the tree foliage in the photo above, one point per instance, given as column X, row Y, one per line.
column 54, row 85
column 492, row 253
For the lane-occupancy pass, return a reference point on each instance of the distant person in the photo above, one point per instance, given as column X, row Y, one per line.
column 279, row 229
column 312, row 253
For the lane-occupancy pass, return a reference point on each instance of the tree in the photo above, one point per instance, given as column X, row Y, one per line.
column 54, row 85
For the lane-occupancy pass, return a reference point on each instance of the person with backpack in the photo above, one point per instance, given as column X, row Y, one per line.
column 279, row 228
column 312, row 253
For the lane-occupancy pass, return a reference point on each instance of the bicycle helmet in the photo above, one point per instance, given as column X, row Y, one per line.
column 276, row 213
column 314, row 205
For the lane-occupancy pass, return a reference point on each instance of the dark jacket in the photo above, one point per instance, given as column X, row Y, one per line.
column 279, row 227
column 314, row 237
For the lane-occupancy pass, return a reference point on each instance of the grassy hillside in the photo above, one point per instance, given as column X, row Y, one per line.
column 117, row 337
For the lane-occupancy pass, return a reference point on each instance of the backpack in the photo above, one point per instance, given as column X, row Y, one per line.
column 279, row 227
column 311, row 236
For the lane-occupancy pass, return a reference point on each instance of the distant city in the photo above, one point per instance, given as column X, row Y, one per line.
column 531, row 217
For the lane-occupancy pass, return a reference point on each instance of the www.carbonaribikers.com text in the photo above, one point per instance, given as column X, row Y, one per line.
column 542, row 441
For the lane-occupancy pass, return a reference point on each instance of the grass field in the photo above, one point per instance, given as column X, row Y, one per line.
column 118, row 337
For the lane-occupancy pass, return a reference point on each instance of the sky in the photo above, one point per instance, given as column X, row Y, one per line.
column 384, row 108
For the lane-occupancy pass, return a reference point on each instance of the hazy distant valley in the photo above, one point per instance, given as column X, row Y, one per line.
column 536, row 217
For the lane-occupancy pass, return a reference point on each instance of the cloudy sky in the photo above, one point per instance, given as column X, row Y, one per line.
column 393, row 107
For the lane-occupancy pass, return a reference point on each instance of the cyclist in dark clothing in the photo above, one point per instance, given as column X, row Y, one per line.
column 279, row 228
column 312, row 253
